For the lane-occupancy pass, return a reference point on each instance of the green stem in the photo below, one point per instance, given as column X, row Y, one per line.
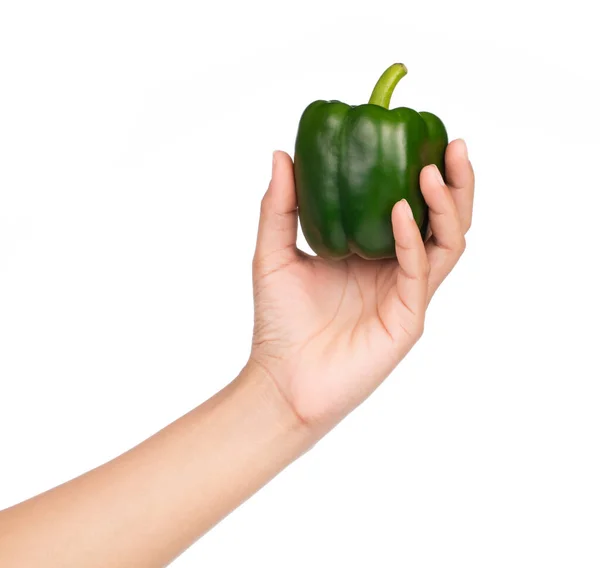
column 382, row 93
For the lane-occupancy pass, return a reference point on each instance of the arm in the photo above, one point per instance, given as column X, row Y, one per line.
column 326, row 334
column 149, row 504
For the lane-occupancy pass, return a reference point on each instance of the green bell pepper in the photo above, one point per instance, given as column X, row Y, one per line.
column 353, row 163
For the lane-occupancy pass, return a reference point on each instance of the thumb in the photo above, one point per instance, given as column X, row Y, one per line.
column 278, row 225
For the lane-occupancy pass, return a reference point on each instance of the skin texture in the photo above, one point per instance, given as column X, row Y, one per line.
column 330, row 331
column 352, row 164
column 326, row 334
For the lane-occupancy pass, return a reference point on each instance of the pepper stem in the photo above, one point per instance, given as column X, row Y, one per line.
column 382, row 93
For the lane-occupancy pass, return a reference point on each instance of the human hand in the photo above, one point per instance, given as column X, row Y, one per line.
column 327, row 333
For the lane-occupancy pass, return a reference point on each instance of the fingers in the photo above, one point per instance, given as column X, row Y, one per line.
column 278, row 225
column 461, row 180
column 407, row 301
column 447, row 241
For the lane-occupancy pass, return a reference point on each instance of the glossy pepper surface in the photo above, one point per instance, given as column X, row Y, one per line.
column 353, row 163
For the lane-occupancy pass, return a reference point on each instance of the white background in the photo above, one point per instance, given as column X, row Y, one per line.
column 135, row 145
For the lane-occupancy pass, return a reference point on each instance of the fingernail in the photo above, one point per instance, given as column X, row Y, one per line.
column 438, row 175
column 464, row 152
column 274, row 159
column 407, row 209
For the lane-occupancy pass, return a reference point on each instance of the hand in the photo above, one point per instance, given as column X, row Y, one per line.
column 327, row 333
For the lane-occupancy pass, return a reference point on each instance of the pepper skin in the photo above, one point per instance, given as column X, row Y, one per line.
column 353, row 163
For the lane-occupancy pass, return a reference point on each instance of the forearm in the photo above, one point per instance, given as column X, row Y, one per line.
column 149, row 504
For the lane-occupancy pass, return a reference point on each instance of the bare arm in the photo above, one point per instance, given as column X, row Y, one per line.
column 148, row 505
column 326, row 335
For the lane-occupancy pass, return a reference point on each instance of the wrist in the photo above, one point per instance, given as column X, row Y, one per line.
column 272, row 400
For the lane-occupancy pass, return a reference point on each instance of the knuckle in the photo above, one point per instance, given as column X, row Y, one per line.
column 264, row 205
column 423, row 272
column 256, row 264
column 462, row 244
column 418, row 329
